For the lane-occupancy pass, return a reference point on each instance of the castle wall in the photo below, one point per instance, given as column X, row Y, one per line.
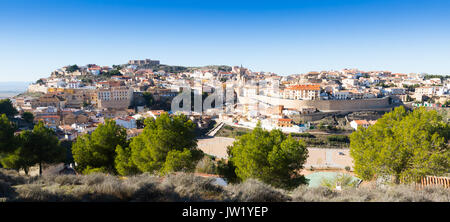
column 321, row 105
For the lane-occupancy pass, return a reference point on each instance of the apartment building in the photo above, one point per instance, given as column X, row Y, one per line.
column 302, row 92
column 74, row 98
column 49, row 115
column 47, row 100
column 427, row 90
column 114, row 97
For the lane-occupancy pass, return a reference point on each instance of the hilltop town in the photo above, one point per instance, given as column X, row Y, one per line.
column 74, row 99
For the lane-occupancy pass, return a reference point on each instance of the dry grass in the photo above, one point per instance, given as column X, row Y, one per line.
column 12, row 177
column 188, row 187
column 395, row 193
column 206, row 165
column 5, row 189
column 41, row 193
column 194, row 188
column 255, row 191
column 319, row 194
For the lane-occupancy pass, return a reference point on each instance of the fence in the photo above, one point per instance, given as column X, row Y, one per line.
column 433, row 181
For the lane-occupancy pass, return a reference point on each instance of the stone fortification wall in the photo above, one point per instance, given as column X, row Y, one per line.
column 322, row 105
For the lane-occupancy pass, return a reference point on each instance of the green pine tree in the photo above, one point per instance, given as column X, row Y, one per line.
column 402, row 144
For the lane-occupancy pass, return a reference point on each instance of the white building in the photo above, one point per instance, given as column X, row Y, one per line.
column 56, row 83
column 302, row 92
column 127, row 122
column 74, row 84
column 341, row 95
column 356, row 124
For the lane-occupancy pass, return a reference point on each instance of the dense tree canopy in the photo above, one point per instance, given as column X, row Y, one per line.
column 271, row 157
column 41, row 146
column 28, row 117
column 72, row 68
column 40, row 82
column 124, row 163
column 157, row 104
column 97, row 152
column 113, row 72
column 402, row 144
column 35, row 147
column 167, row 144
column 442, row 77
column 7, row 140
column 149, row 100
column 177, row 160
column 7, row 108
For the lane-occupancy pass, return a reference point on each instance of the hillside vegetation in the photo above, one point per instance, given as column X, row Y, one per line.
column 188, row 187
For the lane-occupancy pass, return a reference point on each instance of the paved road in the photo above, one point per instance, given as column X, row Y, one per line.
column 215, row 130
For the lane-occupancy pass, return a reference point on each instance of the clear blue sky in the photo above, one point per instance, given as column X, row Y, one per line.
column 285, row 37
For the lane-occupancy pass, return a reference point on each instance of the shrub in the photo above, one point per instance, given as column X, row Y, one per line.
column 395, row 193
column 188, row 187
column 407, row 193
column 141, row 180
column 194, row 188
column 315, row 142
column 239, row 133
column 36, row 192
column 51, row 169
column 304, row 135
column 154, row 192
column 12, row 177
column 111, row 189
column 318, row 194
column 90, row 170
column 68, row 180
column 206, row 165
column 338, row 138
column 5, row 189
column 226, row 169
column 255, row 191
column 228, row 127
column 94, row 178
column 43, row 180
column 343, row 180
column 358, row 195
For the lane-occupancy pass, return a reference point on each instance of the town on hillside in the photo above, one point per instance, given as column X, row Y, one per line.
column 74, row 99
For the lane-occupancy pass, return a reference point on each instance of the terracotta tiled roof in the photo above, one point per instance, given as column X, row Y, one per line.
column 361, row 122
column 304, row 87
column 157, row 112
column 47, row 117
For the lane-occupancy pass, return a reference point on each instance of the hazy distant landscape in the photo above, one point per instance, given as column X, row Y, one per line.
column 10, row 89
